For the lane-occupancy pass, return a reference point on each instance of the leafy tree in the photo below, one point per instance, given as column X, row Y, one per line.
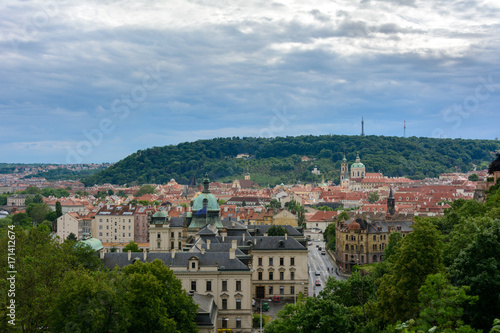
column 51, row 216
column 111, row 192
column 122, row 194
column 37, row 212
column 329, row 235
column 373, row 197
column 158, row 302
column 343, row 216
column 91, row 302
column 46, row 226
column 32, row 190
column 442, row 304
column 145, row 189
column 495, row 165
column 274, row 204
column 392, row 246
column 23, row 220
column 59, row 212
column 276, row 230
column 243, row 203
column 72, row 237
column 474, row 177
column 420, row 254
column 131, row 246
column 477, row 266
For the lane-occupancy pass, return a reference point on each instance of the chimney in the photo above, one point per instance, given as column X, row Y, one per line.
column 101, row 253
column 129, row 254
column 223, row 238
column 255, row 240
column 265, row 234
column 234, row 244
column 232, row 253
column 286, row 235
column 243, row 236
column 144, row 254
column 208, row 244
column 172, row 253
column 202, row 251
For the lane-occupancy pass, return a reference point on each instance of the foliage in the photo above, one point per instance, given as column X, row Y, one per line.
column 277, row 160
column 329, row 236
column 392, row 246
column 274, row 204
column 37, row 198
column 419, row 255
column 111, row 192
column 494, row 165
column 343, row 216
column 295, row 206
column 122, row 194
column 65, row 174
column 72, row 237
column 373, row 197
column 145, row 189
column 58, row 209
column 22, row 219
column 322, row 208
column 276, row 230
column 158, row 302
column 37, row 212
column 473, row 177
column 131, row 246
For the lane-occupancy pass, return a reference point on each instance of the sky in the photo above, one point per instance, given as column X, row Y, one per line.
column 93, row 81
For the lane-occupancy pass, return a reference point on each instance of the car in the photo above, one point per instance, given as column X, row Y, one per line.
column 276, row 298
column 319, row 248
column 317, row 245
column 310, row 243
column 316, row 273
column 318, row 283
column 323, row 252
column 265, row 306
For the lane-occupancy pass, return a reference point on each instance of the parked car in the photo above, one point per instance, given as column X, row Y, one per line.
column 276, row 298
column 316, row 273
column 265, row 306
column 323, row 252
column 318, row 283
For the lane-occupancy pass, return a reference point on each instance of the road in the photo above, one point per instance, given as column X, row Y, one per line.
column 318, row 263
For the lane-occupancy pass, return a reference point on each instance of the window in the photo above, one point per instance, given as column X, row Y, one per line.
column 123, row 227
column 224, row 305
column 100, row 234
column 346, row 237
column 107, row 227
column 238, row 322
column 292, row 290
column 100, row 227
column 374, row 247
column 361, row 237
column 171, row 245
column 282, row 290
column 159, row 235
column 260, row 276
column 362, row 259
column 292, row 276
column 209, row 285
column 180, row 245
column 260, row 261
column 193, row 285
column 347, row 247
column 224, row 285
column 352, row 247
column 346, row 257
column 270, row 275
column 270, row 290
column 238, row 285
column 292, row 261
column 179, row 234
column 172, row 234
column 282, row 261
column 238, row 304
column 270, row 261
column 361, row 248
column 100, row 220
column 282, row 276
column 374, row 258
column 374, row 238
column 193, row 265
column 158, row 245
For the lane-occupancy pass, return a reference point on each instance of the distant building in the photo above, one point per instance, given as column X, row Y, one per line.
column 114, row 224
column 73, row 222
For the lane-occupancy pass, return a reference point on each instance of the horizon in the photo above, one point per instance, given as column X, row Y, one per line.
column 89, row 82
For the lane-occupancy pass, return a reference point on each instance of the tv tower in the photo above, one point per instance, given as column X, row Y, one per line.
column 404, row 129
column 362, row 127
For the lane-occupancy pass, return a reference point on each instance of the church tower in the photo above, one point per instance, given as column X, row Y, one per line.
column 362, row 127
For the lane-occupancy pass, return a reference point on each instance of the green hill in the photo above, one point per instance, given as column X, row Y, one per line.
column 277, row 160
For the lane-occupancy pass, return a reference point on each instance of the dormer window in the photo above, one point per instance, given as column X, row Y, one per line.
column 193, row 263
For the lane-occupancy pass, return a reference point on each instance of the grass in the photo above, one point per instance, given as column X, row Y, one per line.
column 265, row 320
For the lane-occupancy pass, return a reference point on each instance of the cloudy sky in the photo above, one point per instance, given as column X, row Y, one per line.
column 96, row 80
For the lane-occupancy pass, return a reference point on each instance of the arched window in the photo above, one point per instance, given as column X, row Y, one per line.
column 374, row 258
column 347, row 247
column 352, row 247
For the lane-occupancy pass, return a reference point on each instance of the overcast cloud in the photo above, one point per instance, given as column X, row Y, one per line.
column 93, row 81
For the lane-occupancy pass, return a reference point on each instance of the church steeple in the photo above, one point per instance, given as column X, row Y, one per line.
column 391, row 203
column 206, row 183
column 362, row 127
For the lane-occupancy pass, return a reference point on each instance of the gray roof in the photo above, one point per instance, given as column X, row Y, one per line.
column 180, row 259
column 206, row 232
column 262, row 229
column 277, row 243
column 205, row 302
column 176, row 222
column 228, row 223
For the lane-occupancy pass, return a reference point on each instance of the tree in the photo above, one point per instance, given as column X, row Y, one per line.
column 158, row 302
column 441, row 304
column 91, row 302
column 392, row 246
column 22, row 219
column 329, row 235
column 477, row 266
column 495, row 165
column 37, row 212
column 111, row 192
column 276, row 230
column 145, row 189
column 122, row 194
column 420, row 254
column 274, row 204
column 343, row 216
column 474, row 177
column 59, row 212
column 72, row 237
column 131, row 246
column 243, row 203
column 373, row 197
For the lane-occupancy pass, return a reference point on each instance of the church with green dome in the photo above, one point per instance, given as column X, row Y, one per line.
column 205, row 211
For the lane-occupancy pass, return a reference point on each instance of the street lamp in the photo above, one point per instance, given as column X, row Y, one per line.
column 295, row 292
column 268, row 300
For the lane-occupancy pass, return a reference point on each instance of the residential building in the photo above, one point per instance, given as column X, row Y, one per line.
column 73, row 222
column 114, row 224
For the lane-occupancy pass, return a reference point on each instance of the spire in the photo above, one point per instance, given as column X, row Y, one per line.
column 206, row 182
column 362, row 127
column 404, row 129
column 391, row 195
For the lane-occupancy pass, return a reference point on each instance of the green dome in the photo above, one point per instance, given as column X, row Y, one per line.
column 160, row 213
column 357, row 165
column 211, row 202
column 94, row 243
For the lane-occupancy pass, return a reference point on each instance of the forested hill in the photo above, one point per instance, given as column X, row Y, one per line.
column 277, row 160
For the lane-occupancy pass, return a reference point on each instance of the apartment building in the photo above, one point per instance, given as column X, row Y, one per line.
column 113, row 223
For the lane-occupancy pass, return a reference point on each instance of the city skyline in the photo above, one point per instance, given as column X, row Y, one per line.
column 95, row 82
